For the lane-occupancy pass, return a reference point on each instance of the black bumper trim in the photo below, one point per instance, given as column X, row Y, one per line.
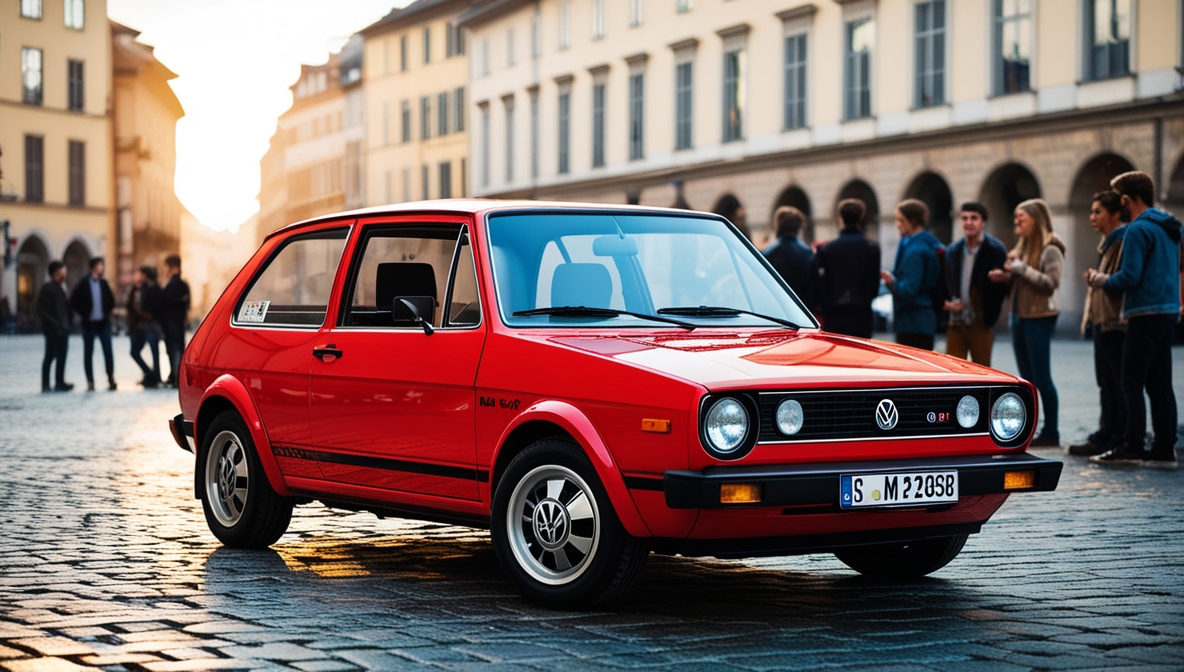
column 800, row 545
column 818, row 484
column 182, row 431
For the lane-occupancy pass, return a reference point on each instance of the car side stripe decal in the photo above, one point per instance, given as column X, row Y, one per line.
column 387, row 464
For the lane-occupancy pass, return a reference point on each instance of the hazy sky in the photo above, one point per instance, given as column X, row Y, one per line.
column 235, row 60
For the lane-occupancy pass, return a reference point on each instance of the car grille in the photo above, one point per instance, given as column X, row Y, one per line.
column 835, row 415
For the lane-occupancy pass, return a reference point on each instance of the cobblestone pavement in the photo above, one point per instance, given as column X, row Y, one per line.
column 106, row 561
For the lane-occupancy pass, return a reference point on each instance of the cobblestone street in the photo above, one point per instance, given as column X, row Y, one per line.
column 106, row 561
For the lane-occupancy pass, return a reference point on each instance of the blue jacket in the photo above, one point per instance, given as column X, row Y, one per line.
column 1149, row 275
column 917, row 272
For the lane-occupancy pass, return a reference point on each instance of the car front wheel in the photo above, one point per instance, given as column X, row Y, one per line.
column 241, row 508
column 903, row 561
column 555, row 532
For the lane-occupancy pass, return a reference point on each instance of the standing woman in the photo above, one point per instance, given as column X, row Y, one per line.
column 1034, row 271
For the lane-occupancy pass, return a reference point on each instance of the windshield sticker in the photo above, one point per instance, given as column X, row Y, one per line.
column 253, row 311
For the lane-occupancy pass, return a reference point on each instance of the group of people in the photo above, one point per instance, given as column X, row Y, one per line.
column 154, row 313
column 1132, row 306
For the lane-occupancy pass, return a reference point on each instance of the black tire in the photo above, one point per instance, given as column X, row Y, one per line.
column 565, row 547
column 903, row 561
column 241, row 508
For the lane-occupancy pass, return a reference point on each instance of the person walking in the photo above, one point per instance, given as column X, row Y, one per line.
column 849, row 275
column 1102, row 316
column 93, row 300
column 173, row 314
column 1034, row 270
column 53, row 309
column 142, row 326
column 914, row 276
column 794, row 260
column 1149, row 277
column 976, row 301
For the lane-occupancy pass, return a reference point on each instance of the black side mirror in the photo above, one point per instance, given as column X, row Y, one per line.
column 414, row 310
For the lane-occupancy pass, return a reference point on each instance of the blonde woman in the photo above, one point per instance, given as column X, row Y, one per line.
column 1034, row 271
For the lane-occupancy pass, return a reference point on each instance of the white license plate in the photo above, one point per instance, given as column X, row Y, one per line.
column 872, row 490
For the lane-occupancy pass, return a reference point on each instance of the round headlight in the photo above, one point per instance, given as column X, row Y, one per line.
column 726, row 426
column 789, row 417
column 967, row 412
column 1008, row 416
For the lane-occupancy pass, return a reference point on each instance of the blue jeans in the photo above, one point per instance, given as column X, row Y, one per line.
column 90, row 330
column 1032, row 340
column 150, row 338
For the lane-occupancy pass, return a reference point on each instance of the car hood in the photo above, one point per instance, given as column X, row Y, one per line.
column 723, row 360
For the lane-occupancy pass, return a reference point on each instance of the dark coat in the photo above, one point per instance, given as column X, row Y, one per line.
column 80, row 298
column 144, row 304
column 850, row 267
column 53, row 309
column 174, row 306
column 795, row 262
column 986, row 297
column 917, row 272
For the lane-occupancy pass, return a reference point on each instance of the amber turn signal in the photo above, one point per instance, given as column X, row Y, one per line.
column 1019, row 480
column 655, row 426
column 740, row 493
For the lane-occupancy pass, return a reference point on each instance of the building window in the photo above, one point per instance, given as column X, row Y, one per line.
column 534, row 134
column 405, row 121
column 536, row 35
column 75, row 98
column 485, row 145
column 1107, row 39
column 450, row 37
column 930, row 57
column 427, row 44
column 31, row 76
column 31, row 9
column 425, row 117
column 597, row 19
column 445, row 179
column 564, row 26
column 77, row 173
column 597, row 125
column 464, row 178
column 403, row 64
column 1013, row 45
column 861, row 35
column 509, row 103
column 684, row 6
column 733, row 95
column 636, row 116
column 509, row 47
column 442, row 110
column 34, row 169
column 458, row 103
column 795, row 81
column 75, row 14
column 684, row 74
column 425, row 181
column 564, row 133
column 635, row 13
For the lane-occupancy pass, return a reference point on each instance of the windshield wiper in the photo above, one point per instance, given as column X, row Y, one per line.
column 721, row 311
column 584, row 311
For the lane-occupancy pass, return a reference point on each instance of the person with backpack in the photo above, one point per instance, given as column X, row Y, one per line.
column 914, row 277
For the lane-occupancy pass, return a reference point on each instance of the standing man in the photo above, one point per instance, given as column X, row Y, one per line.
column 849, row 271
column 53, row 309
column 914, row 276
column 142, row 325
column 174, row 312
column 976, row 301
column 93, row 300
column 1149, row 276
column 793, row 259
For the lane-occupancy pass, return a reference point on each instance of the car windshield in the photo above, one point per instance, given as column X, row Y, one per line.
column 623, row 269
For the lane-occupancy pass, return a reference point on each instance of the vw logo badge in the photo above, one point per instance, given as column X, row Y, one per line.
column 886, row 415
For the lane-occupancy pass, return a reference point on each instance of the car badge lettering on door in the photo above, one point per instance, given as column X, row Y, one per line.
column 886, row 415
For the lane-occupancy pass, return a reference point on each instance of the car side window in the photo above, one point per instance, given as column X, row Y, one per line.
column 294, row 286
column 464, row 304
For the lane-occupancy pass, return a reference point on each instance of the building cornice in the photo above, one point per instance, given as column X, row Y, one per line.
column 53, row 110
column 803, row 12
column 414, row 14
column 688, row 44
column 637, row 59
column 488, row 10
column 738, row 30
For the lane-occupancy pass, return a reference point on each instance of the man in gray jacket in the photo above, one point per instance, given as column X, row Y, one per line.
column 53, row 309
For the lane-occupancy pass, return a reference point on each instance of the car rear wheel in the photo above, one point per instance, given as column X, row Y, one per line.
column 555, row 532
column 903, row 561
column 241, row 508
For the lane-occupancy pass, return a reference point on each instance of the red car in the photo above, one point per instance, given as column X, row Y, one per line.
column 591, row 383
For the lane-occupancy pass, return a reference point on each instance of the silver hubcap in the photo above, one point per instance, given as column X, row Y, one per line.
column 554, row 524
column 227, row 477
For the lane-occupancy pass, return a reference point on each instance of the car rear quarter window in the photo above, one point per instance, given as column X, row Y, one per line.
column 294, row 286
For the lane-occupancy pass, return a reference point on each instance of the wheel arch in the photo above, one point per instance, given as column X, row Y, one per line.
column 562, row 420
column 228, row 393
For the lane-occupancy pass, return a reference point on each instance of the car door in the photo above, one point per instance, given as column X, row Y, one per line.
column 393, row 402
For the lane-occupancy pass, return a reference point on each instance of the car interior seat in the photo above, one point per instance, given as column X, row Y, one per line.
column 587, row 285
column 404, row 279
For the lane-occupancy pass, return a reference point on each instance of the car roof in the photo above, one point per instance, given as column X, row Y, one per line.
column 472, row 206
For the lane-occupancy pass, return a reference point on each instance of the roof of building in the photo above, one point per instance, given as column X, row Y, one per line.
column 416, row 11
column 487, row 10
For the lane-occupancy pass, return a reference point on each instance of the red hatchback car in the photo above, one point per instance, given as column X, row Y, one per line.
column 591, row 383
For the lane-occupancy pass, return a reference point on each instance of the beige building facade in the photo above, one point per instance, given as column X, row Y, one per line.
column 56, row 161
column 415, row 83
column 740, row 107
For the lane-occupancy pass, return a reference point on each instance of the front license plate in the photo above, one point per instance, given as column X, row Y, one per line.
column 872, row 490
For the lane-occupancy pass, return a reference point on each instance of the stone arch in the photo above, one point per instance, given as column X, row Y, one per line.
column 1093, row 176
column 1006, row 187
column 32, row 264
column 857, row 188
column 795, row 196
column 77, row 260
column 1173, row 191
column 933, row 190
column 730, row 208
